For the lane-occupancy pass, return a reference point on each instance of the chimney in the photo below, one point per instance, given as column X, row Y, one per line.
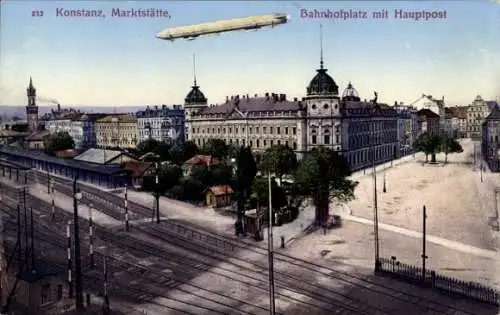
column 303, row 99
column 227, row 99
column 295, row 99
column 247, row 97
column 267, row 96
column 395, row 103
column 255, row 95
column 401, row 103
column 232, row 97
column 237, row 101
column 442, row 98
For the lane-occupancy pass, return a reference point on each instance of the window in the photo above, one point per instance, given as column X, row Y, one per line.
column 235, row 130
column 264, row 129
column 250, row 130
column 271, row 130
column 313, row 138
column 243, row 130
column 286, row 143
column 278, row 130
column 257, row 143
column 295, row 145
column 294, row 130
column 265, row 143
column 326, row 136
column 272, row 142
column 313, row 106
column 230, row 130
column 325, row 106
column 279, row 142
column 286, row 130
column 45, row 294
column 256, row 129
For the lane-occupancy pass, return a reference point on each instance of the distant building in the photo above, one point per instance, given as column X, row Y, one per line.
column 429, row 122
column 408, row 128
column 83, row 130
column 163, row 124
column 490, row 141
column 434, row 105
column 32, row 108
column 456, row 121
column 476, row 113
column 219, row 196
column 102, row 156
column 117, row 131
column 36, row 140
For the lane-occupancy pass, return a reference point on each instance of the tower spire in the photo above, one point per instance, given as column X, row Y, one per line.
column 31, row 83
column 321, row 45
column 194, row 69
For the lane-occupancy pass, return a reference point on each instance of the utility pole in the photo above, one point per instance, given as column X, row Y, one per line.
column 424, row 231
column 32, row 241
column 375, row 200
column 48, row 182
column 19, row 247
column 157, row 194
column 26, row 244
column 53, row 204
column 126, row 209
column 77, row 195
column 91, row 237
column 384, row 189
column 272, row 307
column 70, row 263
column 105, row 305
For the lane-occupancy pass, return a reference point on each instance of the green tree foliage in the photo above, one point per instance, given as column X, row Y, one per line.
column 450, row 145
column 216, row 148
column 322, row 175
column 246, row 169
column 57, row 142
column 280, row 160
column 179, row 154
column 19, row 127
column 146, row 146
column 260, row 193
column 429, row 145
column 190, row 149
column 189, row 189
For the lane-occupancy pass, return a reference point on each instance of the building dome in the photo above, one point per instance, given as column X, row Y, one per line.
column 195, row 96
column 350, row 94
column 322, row 84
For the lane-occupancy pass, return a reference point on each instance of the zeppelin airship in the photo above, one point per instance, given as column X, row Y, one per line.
column 249, row 24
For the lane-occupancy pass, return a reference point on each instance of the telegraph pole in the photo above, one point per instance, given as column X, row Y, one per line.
column 19, row 247
column 105, row 305
column 78, row 262
column 272, row 307
column 126, row 209
column 157, row 194
column 53, row 208
column 91, row 237
column 48, row 182
column 375, row 200
column 424, row 232
column 32, row 241
column 26, row 253
column 70, row 263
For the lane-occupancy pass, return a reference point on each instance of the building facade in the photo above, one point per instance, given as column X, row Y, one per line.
column 408, row 128
column 476, row 114
column 358, row 130
column 434, row 105
column 117, row 131
column 83, row 130
column 490, row 144
column 430, row 122
column 32, row 108
column 162, row 124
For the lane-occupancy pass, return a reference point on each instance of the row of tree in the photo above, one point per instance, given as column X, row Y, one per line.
column 433, row 144
column 320, row 175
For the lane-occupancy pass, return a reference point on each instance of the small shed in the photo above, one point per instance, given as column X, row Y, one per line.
column 219, row 196
column 253, row 223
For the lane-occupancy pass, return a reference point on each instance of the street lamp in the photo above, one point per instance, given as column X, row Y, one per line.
column 375, row 201
column 384, row 189
column 77, row 196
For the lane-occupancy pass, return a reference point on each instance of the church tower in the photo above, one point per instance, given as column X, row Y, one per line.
column 323, row 109
column 32, row 108
column 194, row 102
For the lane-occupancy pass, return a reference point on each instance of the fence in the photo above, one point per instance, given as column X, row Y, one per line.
column 447, row 285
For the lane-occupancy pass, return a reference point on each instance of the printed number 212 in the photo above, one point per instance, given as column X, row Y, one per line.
column 37, row 13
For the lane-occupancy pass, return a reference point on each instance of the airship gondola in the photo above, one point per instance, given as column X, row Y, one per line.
column 251, row 23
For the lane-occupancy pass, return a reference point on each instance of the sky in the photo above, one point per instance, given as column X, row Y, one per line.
column 117, row 61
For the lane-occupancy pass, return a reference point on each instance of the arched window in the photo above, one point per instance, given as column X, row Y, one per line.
column 326, row 136
column 314, row 136
column 313, row 106
column 325, row 106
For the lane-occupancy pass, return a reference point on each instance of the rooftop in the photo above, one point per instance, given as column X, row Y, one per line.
column 98, row 156
column 202, row 160
column 11, row 154
column 221, row 190
column 427, row 113
column 118, row 118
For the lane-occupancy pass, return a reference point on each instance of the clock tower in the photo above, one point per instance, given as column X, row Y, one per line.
column 32, row 108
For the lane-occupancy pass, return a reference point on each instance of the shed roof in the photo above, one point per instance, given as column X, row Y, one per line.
column 12, row 153
column 98, row 156
column 221, row 190
column 136, row 168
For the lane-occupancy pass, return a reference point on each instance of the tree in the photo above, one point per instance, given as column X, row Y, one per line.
column 428, row 144
column 163, row 150
column 176, row 154
column 450, row 145
column 146, row 146
column 222, row 174
column 280, row 160
column 57, row 142
column 216, row 148
column 322, row 175
column 190, row 149
column 246, row 169
column 260, row 193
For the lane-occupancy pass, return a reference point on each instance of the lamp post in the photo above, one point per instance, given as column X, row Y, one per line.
column 77, row 196
column 126, row 208
column 157, row 193
column 91, row 236
column 53, row 204
column 272, row 308
column 384, row 189
column 70, row 263
column 48, row 181
column 424, row 234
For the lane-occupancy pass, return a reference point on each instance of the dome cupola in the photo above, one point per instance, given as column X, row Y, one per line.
column 350, row 94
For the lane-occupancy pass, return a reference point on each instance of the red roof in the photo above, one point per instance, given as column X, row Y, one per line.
column 221, row 190
column 136, row 168
column 67, row 154
column 202, row 160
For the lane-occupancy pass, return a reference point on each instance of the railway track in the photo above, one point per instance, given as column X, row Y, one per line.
column 155, row 281
column 226, row 246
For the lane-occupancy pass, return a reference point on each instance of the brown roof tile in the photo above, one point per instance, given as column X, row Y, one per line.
column 221, row 190
column 67, row 154
column 136, row 168
column 202, row 160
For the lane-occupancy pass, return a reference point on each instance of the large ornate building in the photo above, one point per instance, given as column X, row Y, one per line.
column 360, row 130
column 490, row 143
column 165, row 124
column 437, row 106
column 117, row 131
column 476, row 114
